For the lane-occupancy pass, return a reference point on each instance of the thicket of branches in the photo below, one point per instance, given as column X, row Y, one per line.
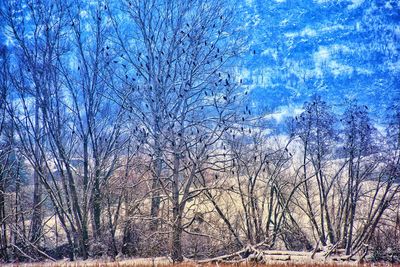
column 123, row 132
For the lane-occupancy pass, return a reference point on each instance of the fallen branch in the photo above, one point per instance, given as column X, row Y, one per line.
column 33, row 246
column 330, row 251
column 252, row 253
column 23, row 253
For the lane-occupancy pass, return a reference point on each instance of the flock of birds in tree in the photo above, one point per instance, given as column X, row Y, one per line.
column 144, row 69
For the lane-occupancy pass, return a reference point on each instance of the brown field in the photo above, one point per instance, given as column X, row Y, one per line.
column 150, row 263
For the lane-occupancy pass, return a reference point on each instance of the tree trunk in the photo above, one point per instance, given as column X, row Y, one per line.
column 96, row 208
column 3, row 230
column 36, row 224
column 155, row 187
column 177, row 255
column 176, row 213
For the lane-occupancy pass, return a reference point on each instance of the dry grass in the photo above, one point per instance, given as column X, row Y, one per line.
column 164, row 263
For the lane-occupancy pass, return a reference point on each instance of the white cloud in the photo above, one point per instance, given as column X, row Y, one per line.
column 83, row 14
column 388, row 5
column 364, row 71
column 355, row 4
column 394, row 66
column 340, row 48
column 284, row 22
column 397, row 31
column 322, row 55
column 284, row 113
column 270, row 51
column 308, row 32
column 339, row 69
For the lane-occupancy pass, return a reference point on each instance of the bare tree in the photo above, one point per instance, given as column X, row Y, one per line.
column 35, row 46
column 5, row 150
column 315, row 128
column 359, row 144
column 179, row 94
column 70, row 110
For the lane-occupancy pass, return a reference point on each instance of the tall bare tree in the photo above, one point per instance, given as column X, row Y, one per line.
column 315, row 128
column 180, row 95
